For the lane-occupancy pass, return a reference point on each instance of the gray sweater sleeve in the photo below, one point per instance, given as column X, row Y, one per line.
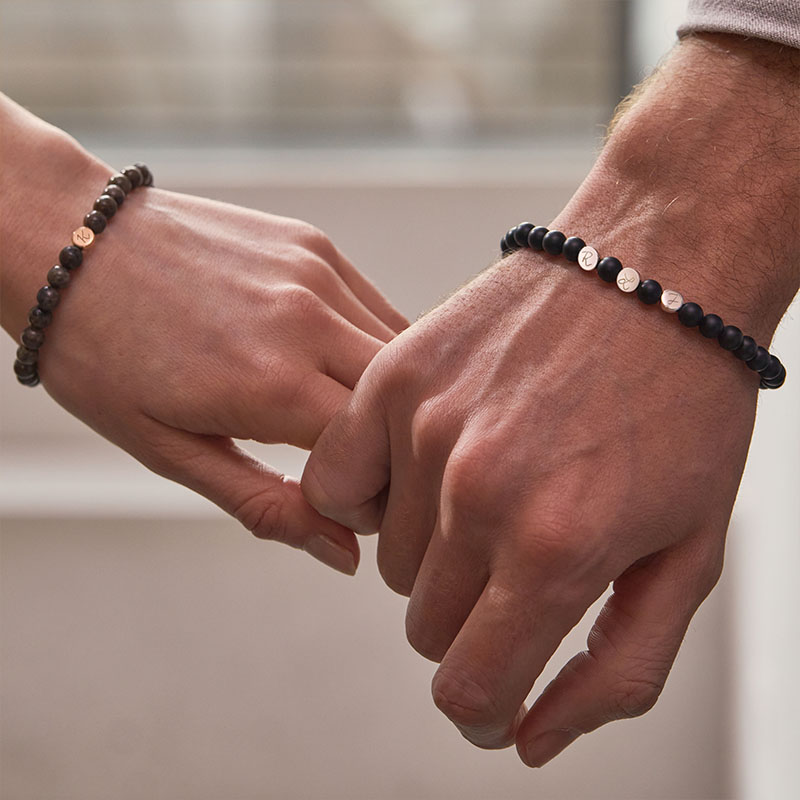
column 775, row 20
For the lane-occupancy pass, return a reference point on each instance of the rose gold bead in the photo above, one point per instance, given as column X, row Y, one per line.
column 628, row 279
column 83, row 237
column 671, row 300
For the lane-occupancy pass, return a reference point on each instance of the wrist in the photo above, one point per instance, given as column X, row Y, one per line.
column 695, row 186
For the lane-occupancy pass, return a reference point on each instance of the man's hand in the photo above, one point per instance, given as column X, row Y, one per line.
column 541, row 435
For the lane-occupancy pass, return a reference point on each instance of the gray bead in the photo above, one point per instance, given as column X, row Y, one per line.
column 106, row 205
column 32, row 339
column 118, row 179
column 58, row 276
column 39, row 318
column 26, row 356
column 133, row 175
column 115, row 193
column 47, row 298
column 24, row 370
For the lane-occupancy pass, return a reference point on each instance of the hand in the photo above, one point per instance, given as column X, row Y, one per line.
column 540, row 435
column 192, row 322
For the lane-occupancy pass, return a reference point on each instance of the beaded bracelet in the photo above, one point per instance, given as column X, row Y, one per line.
column 610, row 269
column 70, row 258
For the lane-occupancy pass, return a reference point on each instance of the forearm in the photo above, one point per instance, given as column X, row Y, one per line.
column 699, row 179
column 48, row 182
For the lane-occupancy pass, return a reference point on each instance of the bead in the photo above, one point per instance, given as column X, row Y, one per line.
column 32, row 339
column 649, row 292
column 771, row 371
column 536, row 237
column 711, row 325
column 553, row 242
column 573, row 247
column 33, row 380
column 521, row 233
column 39, row 318
column 747, row 349
column 133, row 175
column 115, row 193
column 588, row 258
column 106, row 205
column 730, row 338
column 671, row 300
column 147, row 176
column 118, row 179
column 24, row 370
column 628, row 279
column 95, row 221
column 47, row 297
column 608, row 268
column 509, row 243
column 26, row 355
column 71, row 257
column 58, row 276
column 760, row 360
column 83, row 237
column 774, row 383
column 690, row 314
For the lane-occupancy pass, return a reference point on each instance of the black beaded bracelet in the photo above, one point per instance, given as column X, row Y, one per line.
column 610, row 269
column 70, row 258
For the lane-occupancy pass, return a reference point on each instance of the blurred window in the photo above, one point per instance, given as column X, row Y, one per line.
column 318, row 72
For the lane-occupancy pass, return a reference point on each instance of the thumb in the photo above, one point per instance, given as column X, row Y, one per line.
column 347, row 474
column 266, row 502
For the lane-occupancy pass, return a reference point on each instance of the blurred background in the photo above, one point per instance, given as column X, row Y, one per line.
column 151, row 648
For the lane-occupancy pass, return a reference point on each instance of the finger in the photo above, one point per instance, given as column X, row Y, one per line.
column 335, row 291
column 449, row 583
column 509, row 636
column 631, row 649
column 348, row 470
column 369, row 295
column 346, row 350
column 267, row 503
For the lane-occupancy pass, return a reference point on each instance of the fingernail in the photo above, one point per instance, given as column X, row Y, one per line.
column 329, row 552
column 548, row 745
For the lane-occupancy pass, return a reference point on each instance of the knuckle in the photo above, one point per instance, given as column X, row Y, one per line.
column 298, row 302
column 463, row 698
column 312, row 238
column 264, row 515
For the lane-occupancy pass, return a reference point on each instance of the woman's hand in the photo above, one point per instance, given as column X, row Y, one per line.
column 191, row 323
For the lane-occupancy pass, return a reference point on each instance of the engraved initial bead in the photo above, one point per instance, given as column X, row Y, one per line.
column 628, row 279
column 671, row 300
column 83, row 237
column 588, row 258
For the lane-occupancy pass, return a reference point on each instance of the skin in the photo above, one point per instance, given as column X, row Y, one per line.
column 540, row 436
column 190, row 323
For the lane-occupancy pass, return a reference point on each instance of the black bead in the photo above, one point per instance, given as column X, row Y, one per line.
column 608, row 268
column 536, row 237
column 71, row 257
column 553, row 242
column 521, row 233
column 115, row 193
column 776, row 382
column 760, row 360
column 32, row 339
column 39, row 318
column 747, row 349
column 711, row 325
column 730, row 338
column 509, row 243
column 690, row 314
column 133, row 175
column 27, row 356
column 47, row 297
column 147, row 176
column 572, row 247
column 649, row 292
column 24, row 370
column 118, row 179
column 58, row 276
column 95, row 221
column 32, row 380
column 106, row 205
column 772, row 370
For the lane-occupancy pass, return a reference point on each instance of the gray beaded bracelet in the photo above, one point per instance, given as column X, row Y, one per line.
column 610, row 269
column 70, row 258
